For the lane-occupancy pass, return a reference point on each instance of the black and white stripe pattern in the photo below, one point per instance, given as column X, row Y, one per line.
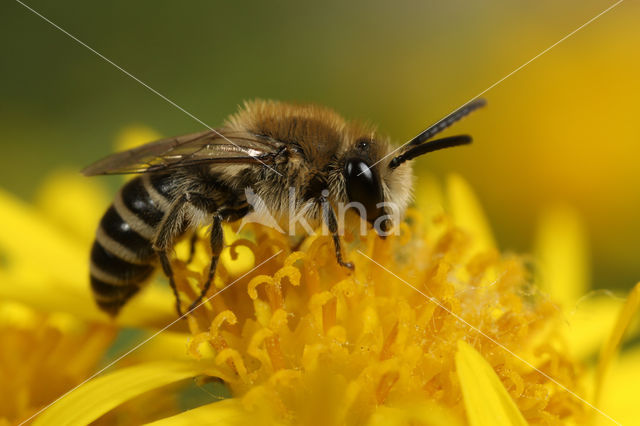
column 147, row 213
column 122, row 256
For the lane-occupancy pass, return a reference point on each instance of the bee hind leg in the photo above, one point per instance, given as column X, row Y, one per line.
column 166, row 267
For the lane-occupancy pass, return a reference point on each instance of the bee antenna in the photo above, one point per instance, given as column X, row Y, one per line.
column 429, row 147
column 433, row 130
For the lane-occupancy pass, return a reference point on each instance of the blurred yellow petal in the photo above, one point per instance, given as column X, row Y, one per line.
column 430, row 204
column 424, row 414
column 468, row 214
column 41, row 263
column 562, row 250
column 135, row 135
column 485, row 398
column 228, row 412
column 30, row 241
column 167, row 345
column 620, row 397
column 17, row 315
column 153, row 307
column 44, row 355
column 610, row 348
column 590, row 322
column 98, row 396
column 45, row 268
column 429, row 198
column 74, row 203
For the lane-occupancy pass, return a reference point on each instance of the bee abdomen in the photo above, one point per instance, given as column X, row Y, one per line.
column 122, row 256
column 113, row 279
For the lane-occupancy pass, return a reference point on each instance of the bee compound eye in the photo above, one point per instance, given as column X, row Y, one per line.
column 363, row 187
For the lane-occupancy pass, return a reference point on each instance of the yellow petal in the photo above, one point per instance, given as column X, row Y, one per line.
column 485, row 398
column 610, row 347
column 224, row 413
column 168, row 345
column 100, row 395
column 561, row 248
column 424, row 413
column 429, row 198
column 468, row 213
column 41, row 264
column 30, row 241
column 153, row 307
column 590, row 322
column 73, row 202
column 620, row 398
column 45, row 268
column 17, row 315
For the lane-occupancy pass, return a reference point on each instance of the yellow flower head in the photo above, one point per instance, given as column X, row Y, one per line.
column 43, row 356
column 434, row 326
column 300, row 340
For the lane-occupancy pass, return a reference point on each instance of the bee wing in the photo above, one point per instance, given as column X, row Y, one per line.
column 205, row 147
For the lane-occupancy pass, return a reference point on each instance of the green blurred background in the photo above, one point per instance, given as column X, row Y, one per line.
column 565, row 129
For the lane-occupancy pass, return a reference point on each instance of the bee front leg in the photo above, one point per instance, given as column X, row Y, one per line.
column 330, row 220
column 216, row 239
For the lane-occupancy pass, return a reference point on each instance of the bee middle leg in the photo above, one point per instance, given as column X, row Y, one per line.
column 192, row 246
column 169, row 229
column 330, row 220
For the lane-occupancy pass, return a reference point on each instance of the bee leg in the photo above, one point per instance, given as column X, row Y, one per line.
column 331, row 222
column 166, row 267
column 192, row 246
column 216, row 248
column 168, row 230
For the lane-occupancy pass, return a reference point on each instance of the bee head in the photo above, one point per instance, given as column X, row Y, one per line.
column 363, row 185
column 380, row 183
column 376, row 192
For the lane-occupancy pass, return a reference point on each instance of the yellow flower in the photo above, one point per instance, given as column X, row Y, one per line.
column 45, row 253
column 43, row 356
column 434, row 326
column 303, row 342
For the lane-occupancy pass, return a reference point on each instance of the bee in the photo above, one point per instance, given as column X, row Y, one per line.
column 202, row 179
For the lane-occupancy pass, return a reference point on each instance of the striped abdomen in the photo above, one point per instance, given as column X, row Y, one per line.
column 122, row 256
